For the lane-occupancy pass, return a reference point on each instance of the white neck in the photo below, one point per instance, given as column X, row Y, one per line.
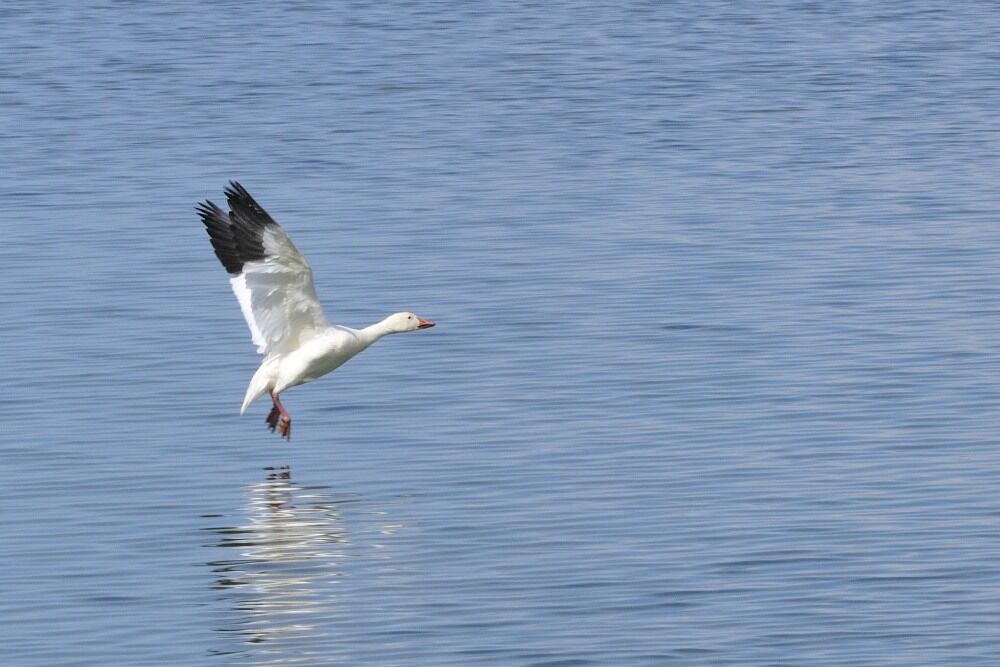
column 372, row 333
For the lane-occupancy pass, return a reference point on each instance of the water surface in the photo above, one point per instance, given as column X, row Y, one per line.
column 714, row 380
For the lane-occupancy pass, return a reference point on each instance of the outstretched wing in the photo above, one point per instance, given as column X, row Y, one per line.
column 271, row 279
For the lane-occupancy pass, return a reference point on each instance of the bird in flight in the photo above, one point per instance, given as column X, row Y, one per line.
column 274, row 286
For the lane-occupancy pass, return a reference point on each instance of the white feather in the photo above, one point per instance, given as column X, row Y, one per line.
column 245, row 297
column 278, row 298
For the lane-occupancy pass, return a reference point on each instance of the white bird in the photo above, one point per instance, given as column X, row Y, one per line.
column 274, row 286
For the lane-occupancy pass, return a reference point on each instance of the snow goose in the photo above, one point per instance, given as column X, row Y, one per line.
column 274, row 286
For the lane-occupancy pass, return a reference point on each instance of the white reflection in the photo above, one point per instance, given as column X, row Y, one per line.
column 281, row 579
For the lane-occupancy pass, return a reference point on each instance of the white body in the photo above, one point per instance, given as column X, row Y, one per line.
column 287, row 323
column 324, row 352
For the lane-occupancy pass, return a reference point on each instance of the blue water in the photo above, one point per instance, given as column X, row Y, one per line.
column 714, row 380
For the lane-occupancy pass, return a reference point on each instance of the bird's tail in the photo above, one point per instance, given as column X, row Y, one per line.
column 259, row 384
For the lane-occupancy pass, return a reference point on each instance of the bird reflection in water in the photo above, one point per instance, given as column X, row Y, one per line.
column 287, row 556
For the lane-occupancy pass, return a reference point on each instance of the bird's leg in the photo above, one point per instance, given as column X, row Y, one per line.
column 279, row 418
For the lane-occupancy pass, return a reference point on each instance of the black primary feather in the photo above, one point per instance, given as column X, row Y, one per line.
column 239, row 236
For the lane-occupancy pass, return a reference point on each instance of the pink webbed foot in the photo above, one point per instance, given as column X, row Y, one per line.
column 285, row 427
column 272, row 419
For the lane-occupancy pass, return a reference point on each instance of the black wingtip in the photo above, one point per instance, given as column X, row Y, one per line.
column 237, row 236
column 234, row 189
column 221, row 233
column 244, row 208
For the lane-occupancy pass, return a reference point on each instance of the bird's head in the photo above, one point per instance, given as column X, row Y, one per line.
column 401, row 322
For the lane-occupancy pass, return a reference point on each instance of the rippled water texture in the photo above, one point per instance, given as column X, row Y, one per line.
column 714, row 379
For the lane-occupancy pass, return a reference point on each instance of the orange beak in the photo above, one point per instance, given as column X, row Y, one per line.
column 424, row 324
